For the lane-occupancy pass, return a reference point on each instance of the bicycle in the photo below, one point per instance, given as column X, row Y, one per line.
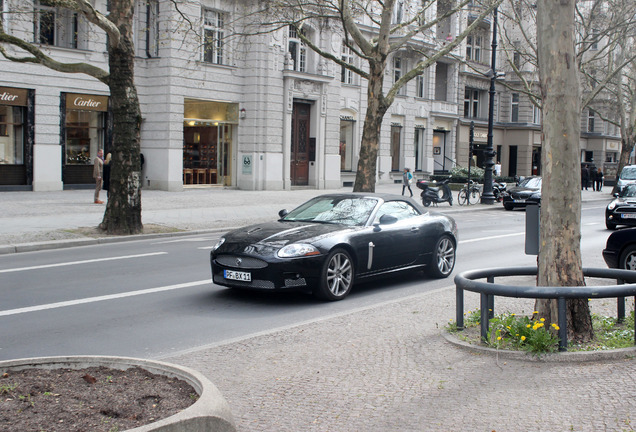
column 469, row 194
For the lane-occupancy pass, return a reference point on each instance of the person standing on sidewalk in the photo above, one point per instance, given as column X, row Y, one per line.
column 599, row 181
column 407, row 179
column 98, row 172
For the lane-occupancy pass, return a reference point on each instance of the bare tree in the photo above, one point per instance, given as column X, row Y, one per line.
column 123, row 211
column 374, row 31
column 560, row 253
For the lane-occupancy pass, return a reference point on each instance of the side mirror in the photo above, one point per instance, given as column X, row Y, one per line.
column 387, row 219
column 282, row 213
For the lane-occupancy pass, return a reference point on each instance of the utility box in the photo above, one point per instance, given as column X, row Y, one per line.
column 533, row 212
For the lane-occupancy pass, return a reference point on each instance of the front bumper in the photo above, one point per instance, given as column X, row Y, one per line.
column 274, row 274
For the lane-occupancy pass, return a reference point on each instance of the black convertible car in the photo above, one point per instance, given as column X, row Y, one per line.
column 518, row 196
column 622, row 210
column 331, row 241
column 620, row 249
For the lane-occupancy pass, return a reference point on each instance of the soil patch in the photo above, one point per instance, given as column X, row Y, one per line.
column 147, row 229
column 90, row 399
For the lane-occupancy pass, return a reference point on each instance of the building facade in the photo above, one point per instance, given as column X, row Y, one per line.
column 256, row 112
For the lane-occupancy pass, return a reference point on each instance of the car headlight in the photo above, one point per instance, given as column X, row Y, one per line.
column 297, row 250
column 612, row 205
column 218, row 244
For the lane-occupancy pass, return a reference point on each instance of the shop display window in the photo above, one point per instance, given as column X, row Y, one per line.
column 12, row 135
column 84, row 136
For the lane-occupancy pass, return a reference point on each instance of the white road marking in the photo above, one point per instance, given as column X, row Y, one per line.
column 102, row 298
column 80, row 262
column 492, row 237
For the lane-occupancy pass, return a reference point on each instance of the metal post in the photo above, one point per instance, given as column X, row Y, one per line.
column 459, row 307
column 471, row 144
column 487, row 196
column 491, row 299
column 620, row 305
column 484, row 316
column 563, row 325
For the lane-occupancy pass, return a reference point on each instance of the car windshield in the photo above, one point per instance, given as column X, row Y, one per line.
column 341, row 210
column 628, row 173
column 628, row 191
column 531, row 182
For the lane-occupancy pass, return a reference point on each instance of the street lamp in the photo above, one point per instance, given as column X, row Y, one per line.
column 487, row 196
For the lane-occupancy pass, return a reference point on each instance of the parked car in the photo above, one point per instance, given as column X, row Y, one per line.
column 626, row 177
column 620, row 249
column 328, row 243
column 517, row 196
column 622, row 210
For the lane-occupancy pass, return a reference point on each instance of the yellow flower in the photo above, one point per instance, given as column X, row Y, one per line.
column 523, row 338
column 535, row 312
column 556, row 327
column 528, row 326
column 498, row 337
column 508, row 327
column 542, row 319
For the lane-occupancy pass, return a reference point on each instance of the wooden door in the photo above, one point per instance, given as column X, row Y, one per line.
column 300, row 144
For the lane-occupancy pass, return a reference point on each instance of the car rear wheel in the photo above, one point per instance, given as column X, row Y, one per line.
column 443, row 259
column 337, row 276
column 628, row 258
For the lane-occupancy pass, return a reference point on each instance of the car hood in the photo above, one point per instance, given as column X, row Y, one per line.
column 522, row 191
column 627, row 201
column 267, row 238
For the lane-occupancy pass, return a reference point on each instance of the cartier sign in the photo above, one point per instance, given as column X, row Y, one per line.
column 13, row 96
column 86, row 102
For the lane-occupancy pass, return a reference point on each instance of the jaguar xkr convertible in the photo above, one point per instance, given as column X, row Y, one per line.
column 331, row 241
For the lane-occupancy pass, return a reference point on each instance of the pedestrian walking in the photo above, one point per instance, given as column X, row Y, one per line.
column 599, row 181
column 98, row 173
column 585, row 177
column 407, row 179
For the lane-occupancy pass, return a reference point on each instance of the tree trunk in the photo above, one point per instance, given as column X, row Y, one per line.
column 123, row 211
column 560, row 238
column 376, row 108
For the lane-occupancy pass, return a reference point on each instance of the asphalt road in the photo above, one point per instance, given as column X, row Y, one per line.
column 154, row 298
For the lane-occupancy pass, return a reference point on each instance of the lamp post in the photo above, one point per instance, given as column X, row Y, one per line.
column 487, row 196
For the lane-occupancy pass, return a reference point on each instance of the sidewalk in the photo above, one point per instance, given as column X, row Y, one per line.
column 46, row 219
column 376, row 369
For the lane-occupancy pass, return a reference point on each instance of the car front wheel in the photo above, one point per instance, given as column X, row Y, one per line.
column 337, row 276
column 610, row 225
column 628, row 258
column 443, row 259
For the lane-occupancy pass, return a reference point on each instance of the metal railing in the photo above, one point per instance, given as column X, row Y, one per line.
column 468, row 281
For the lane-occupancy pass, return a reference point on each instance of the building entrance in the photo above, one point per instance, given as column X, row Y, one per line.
column 300, row 144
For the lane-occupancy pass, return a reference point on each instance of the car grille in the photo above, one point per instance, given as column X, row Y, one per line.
column 245, row 262
column 262, row 284
column 625, row 209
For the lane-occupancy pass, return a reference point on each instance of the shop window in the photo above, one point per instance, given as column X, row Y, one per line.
column 346, row 144
column 57, row 26
column 85, row 132
column 11, row 135
column 214, row 49
column 297, row 49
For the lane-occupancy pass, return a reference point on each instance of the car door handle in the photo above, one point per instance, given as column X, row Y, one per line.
column 415, row 229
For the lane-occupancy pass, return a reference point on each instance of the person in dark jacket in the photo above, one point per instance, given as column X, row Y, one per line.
column 106, row 173
column 585, row 177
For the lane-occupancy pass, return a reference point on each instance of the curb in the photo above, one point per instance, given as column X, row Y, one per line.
column 562, row 357
column 210, row 412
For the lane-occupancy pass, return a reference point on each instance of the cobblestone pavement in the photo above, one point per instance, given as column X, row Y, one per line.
column 388, row 368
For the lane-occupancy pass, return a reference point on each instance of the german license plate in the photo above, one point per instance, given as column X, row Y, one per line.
column 519, row 200
column 628, row 215
column 236, row 275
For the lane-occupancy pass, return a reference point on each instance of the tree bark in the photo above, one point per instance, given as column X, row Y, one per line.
column 123, row 210
column 560, row 237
